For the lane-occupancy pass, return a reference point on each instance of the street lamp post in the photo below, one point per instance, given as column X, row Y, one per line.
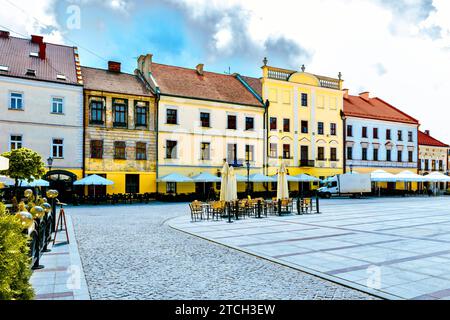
column 351, row 168
column 50, row 163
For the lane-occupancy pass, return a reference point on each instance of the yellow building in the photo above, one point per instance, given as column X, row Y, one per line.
column 120, row 137
column 204, row 118
column 304, row 125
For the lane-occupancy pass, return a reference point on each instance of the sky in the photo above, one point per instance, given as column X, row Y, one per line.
column 397, row 50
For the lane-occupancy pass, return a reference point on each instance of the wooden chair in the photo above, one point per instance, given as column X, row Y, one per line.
column 196, row 210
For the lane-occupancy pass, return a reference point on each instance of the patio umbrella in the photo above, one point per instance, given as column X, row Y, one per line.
column 231, row 186
column 260, row 178
column 6, row 181
column 289, row 178
column 4, row 163
column 205, row 177
column 93, row 180
column 34, row 183
column 240, row 178
column 408, row 176
column 382, row 176
column 282, row 187
column 435, row 178
column 176, row 177
column 224, row 182
column 306, row 178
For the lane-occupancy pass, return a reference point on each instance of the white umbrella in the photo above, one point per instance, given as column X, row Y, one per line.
column 306, row 178
column 437, row 177
column 408, row 176
column 240, row 178
column 34, row 183
column 260, row 178
column 382, row 176
column 206, row 177
column 93, row 180
column 288, row 177
column 231, row 186
column 176, row 177
column 283, row 187
column 224, row 182
column 4, row 163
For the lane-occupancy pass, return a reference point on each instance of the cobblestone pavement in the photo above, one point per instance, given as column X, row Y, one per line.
column 128, row 252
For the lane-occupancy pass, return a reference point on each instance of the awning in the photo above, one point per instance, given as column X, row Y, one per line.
column 176, row 177
column 206, row 177
column 408, row 176
column 93, row 180
column 306, row 178
column 382, row 176
column 4, row 163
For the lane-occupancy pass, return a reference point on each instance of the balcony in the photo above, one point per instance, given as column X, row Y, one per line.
column 307, row 163
column 382, row 164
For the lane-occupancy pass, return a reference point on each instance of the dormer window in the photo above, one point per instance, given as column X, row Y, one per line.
column 34, row 54
column 31, row 72
column 4, row 68
column 61, row 77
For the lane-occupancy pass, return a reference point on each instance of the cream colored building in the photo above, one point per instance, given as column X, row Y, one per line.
column 204, row 118
column 433, row 154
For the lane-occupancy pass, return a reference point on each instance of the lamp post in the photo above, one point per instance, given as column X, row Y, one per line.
column 351, row 168
column 50, row 163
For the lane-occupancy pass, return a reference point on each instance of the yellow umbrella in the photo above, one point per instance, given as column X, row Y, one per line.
column 224, row 182
column 283, row 187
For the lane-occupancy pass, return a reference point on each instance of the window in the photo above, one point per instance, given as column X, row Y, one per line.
column 131, row 183
column 304, row 126
column 61, row 77
column 364, row 154
column 399, row 156
column 171, row 149
column 31, row 72
column 141, row 116
column 375, row 154
column 388, row 134
column 333, row 154
column 4, row 68
column 286, row 125
column 333, row 129
column 171, row 187
column 433, row 165
column 273, row 123
column 58, row 148
column 410, row 136
column 204, row 120
column 232, row 122
column 375, row 133
column 364, row 132
column 388, row 155
column 441, row 165
column 232, row 153
column 57, row 105
column 119, row 150
column 141, row 151
column 427, row 165
column 320, row 128
column 205, row 151
column 120, row 114
column 16, row 101
column 286, row 151
column 273, row 150
column 304, row 100
column 96, row 112
column 399, row 135
column 321, row 153
column 410, row 156
column 171, row 116
column 249, row 123
column 350, row 153
column 96, row 149
column 15, row 142
column 349, row 130
column 249, row 153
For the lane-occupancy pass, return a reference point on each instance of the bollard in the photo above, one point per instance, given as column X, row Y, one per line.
column 259, row 209
column 298, row 205
column 236, row 208
column 279, row 207
column 39, row 245
column 317, row 204
column 229, row 212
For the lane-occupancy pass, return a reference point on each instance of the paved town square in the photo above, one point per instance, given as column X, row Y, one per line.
column 395, row 248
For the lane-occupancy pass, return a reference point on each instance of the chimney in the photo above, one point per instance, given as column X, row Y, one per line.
column 145, row 64
column 427, row 132
column 114, row 66
column 37, row 39
column 365, row 95
column 199, row 69
column 345, row 93
column 4, row 34
column 42, row 50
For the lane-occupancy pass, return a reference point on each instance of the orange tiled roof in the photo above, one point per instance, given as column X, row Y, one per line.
column 184, row 82
column 375, row 108
column 427, row 140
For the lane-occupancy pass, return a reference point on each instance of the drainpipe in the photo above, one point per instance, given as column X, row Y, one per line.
column 344, row 147
column 83, row 169
column 266, row 131
column 158, row 97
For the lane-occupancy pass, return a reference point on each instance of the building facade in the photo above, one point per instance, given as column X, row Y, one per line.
column 433, row 154
column 204, row 118
column 378, row 136
column 120, row 136
column 42, row 105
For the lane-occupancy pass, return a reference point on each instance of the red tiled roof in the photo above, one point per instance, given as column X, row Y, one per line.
column 375, row 108
column 15, row 54
column 254, row 83
column 104, row 80
column 183, row 82
column 427, row 140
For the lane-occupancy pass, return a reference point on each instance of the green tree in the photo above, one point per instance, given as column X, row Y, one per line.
column 24, row 164
column 15, row 262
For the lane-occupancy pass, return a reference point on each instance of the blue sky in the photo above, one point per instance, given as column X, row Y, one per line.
column 398, row 50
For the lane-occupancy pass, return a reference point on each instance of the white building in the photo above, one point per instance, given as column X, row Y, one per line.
column 41, row 101
column 378, row 136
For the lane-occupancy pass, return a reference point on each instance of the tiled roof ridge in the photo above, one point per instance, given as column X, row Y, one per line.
column 103, row 69
column 192, row 69
column 51, row 43
column 442, row 144
column 396, row 109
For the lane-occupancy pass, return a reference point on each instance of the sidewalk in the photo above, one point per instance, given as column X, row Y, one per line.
column 63, row 277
